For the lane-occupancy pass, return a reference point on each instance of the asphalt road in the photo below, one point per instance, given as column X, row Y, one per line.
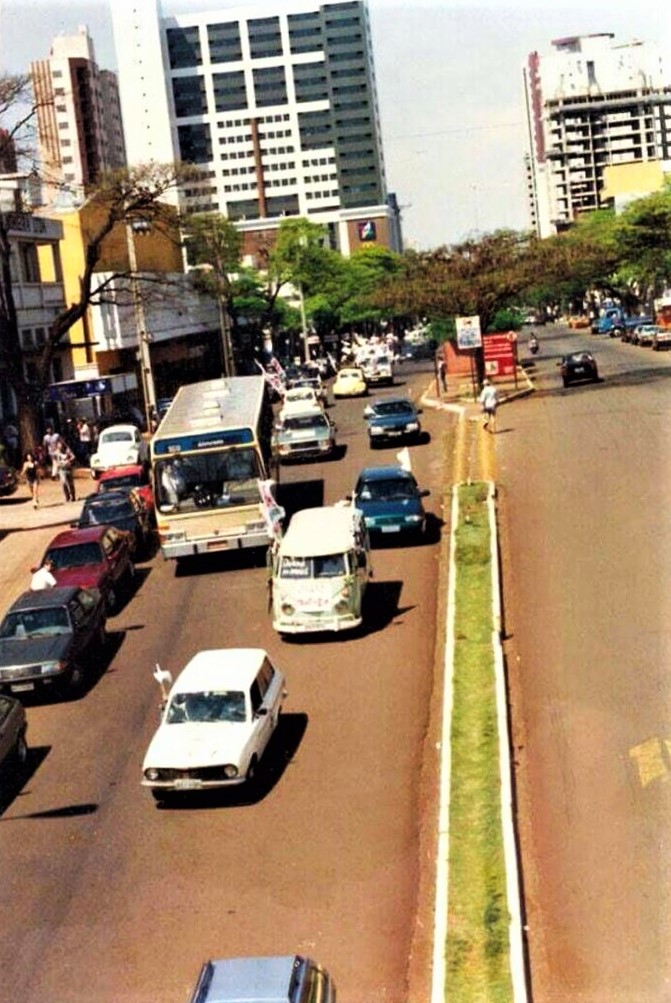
column 105, row 896
column 583, row 475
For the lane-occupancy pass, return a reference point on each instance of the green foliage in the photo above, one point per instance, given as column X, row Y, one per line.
column 507, row 319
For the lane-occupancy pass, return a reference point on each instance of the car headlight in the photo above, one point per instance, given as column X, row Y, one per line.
column 376, row 430
column 230, row 771
column 172, row 537
column 52, row 668
column 152, row 773
column 414, row 518
column 287, row 608
column 412, row 426
column 325, row 444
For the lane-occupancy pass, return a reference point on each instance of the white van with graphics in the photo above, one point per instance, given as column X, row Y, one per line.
column 320, row 570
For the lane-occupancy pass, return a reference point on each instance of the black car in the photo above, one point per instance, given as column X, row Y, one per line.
column 579, row 366
column 123, row 509
column 9, row 480
column 392, row 418
column 45, row 638
column 13, row 727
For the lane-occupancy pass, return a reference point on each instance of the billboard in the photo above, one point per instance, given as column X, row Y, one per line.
column 468, row 332
column 500, row 352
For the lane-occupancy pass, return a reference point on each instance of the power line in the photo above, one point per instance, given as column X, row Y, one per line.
column 451, row 132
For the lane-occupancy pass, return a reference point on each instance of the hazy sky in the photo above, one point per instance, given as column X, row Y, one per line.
column 449, row 78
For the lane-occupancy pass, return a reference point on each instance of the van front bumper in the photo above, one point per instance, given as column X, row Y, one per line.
column 309, row 624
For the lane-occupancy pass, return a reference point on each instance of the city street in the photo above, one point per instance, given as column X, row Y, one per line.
column 582, row 476
column 103, row 892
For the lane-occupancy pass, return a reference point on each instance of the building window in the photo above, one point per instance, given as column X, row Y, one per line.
column 270, row 86
column 183, row 47
column 224, row 42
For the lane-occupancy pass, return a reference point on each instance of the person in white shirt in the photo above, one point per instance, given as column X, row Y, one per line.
column 43, row 578
column 489, row 401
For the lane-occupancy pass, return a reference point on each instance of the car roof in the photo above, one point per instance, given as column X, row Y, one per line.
column 351, row 371
column 131, row 429
column 213, row 668
column 314, row 532
column 392, row 400
column 385, row 473
column 247, row 980
column 70, row 536
column 44, row 598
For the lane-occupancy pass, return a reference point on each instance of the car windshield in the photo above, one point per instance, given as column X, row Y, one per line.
column 392, row 489
column 393, row 407
column 324, row 566
column 207, row 707
column 301, row 421
column 119, row 483
column 107, row 437
column 100, row 511
column 36, row 623
column 213, row 479
column 75, row 556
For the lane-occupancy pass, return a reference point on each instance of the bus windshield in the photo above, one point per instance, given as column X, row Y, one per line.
column 213, row 479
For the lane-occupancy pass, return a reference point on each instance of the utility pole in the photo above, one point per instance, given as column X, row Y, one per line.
column 144, row 356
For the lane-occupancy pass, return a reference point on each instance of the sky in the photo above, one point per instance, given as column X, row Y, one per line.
column 450, row 91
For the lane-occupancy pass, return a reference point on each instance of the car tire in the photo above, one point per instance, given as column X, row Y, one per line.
column 75, row 679
column 21, row 751
column 565, row 382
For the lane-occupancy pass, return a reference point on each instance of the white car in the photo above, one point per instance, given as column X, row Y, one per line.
column 218, row 718
column 298, row 399
column 118, row 446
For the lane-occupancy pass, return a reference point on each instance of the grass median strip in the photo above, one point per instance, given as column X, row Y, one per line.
column 477, row 949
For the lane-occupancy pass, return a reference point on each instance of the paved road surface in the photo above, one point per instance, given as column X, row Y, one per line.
column 584, row 476
column 104, row 896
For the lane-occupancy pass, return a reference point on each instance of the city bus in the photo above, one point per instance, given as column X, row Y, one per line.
column 208, row 457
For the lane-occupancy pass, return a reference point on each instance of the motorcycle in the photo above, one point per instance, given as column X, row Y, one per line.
column 533, row 345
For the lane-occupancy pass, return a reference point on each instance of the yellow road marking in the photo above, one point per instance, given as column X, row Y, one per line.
column 651, row 761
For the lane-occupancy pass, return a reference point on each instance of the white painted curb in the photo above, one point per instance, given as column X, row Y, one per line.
column 515, row 928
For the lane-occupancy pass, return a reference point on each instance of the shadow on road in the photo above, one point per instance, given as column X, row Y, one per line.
column 13, row 778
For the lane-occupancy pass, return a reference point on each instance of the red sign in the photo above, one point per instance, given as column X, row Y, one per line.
column 500, row 352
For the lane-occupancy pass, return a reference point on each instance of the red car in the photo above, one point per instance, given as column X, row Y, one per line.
column 125, row 478
column 95, row 558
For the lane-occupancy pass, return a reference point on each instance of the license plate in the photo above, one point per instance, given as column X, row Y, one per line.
column 187, row 784
column 218, row 545
column 390, row 529
column 22, row 687
column 395, row 432
column 579, row 369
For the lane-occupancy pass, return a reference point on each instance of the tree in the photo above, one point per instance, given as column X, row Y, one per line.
column 214, row 244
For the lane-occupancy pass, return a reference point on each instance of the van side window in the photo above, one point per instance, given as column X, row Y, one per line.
column 265, row 676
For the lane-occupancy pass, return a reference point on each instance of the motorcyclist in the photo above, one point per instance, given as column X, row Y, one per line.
column 533, row 344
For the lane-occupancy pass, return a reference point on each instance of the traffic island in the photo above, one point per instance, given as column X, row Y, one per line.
column 478, row 949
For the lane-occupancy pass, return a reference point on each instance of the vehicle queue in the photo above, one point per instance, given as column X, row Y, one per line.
column 235, row 691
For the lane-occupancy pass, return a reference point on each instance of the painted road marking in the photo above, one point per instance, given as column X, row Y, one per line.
column 652, row 759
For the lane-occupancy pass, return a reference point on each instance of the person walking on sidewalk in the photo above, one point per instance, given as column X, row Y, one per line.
column 50, row 443
column 31, row 472
column 489, row 401
column 65, row 461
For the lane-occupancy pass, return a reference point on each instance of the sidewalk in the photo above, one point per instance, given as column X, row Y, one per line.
column 460, row 392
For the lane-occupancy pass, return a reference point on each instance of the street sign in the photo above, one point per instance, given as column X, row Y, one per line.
column 500, row 354
column 468, row 332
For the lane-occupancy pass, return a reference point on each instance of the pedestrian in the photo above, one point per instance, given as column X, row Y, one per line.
column 442, row 374
column 489, row 401
column 43, row 578
column 84, row 437
column 65, row 461
column 31, row 471
column 50, row 443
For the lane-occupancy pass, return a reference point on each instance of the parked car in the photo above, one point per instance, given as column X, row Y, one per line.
column 290, row 979
column 307, row 434
column 13, row 728
column 9, row 480
column 661, row 339
column 96, row 558
column 391, row 501
column 644, row 335
column 45, row 637
column 219, row 716
column 578, row 366
column 123, row 509
column 394, row 418
column 127, row 478
column 350, row 382
column 118, row 446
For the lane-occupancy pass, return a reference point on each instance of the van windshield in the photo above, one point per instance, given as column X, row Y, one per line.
column 325, row 566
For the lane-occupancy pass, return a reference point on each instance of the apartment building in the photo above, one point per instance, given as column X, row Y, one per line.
column 80, row 134
column 276, row 103
column 591, row 104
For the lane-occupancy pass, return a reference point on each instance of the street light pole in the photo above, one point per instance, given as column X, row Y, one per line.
column 144, row 356
column 304, row 326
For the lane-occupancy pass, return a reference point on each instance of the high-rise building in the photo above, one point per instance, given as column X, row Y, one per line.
column 78, row 118
column 591, row 104
column 276, row 104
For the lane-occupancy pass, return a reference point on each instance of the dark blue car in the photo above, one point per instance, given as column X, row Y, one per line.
column 391, row 501
column 392, row 418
